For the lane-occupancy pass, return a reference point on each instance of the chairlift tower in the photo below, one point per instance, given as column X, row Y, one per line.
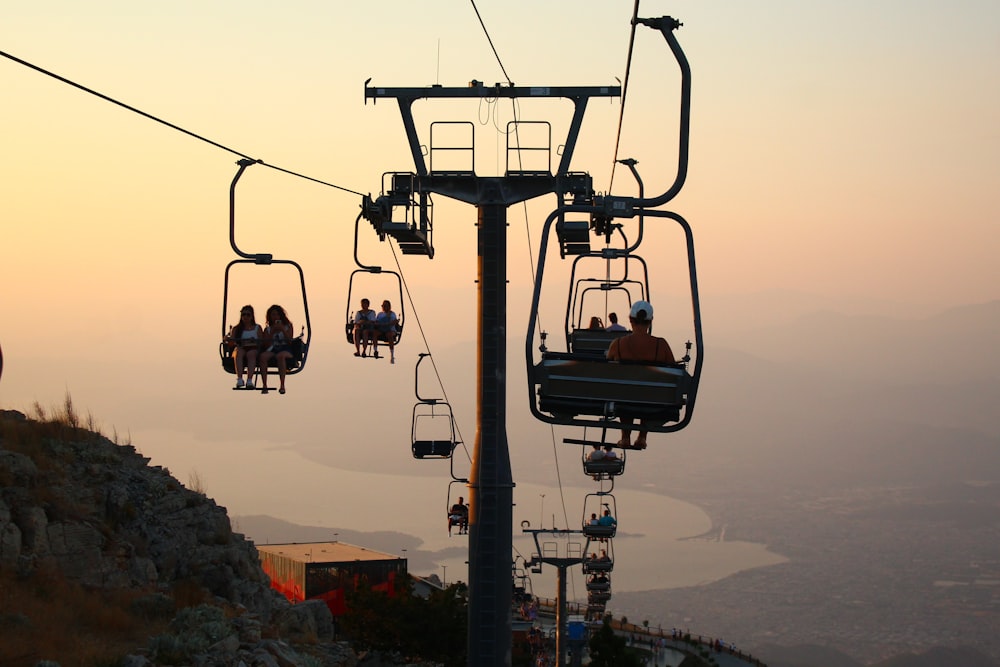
column 549, row 553
column 490, row 483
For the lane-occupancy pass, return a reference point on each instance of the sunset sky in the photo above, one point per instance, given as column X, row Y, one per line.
column 847, row 151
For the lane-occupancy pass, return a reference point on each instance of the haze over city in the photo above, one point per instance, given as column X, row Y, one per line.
column 840, row 189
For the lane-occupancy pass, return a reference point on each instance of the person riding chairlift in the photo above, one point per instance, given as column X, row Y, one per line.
column 639, row 346
column 458, row 515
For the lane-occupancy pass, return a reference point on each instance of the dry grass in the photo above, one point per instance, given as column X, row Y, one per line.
column 44, row 615
column 62, row 423
column 195, row 482
column 47, row 617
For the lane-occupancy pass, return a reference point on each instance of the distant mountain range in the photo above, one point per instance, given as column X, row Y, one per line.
column 957, row 345
column 851, row 400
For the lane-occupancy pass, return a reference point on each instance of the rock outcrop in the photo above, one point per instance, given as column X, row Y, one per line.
column 100, row 514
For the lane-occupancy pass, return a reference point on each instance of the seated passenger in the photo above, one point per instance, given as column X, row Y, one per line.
column 364, row 329
column 458, row 515
column 594, row 521
column 246, row 336
column 610, row 454
column 639, row 346
column 606, row 519
column 386, row 330
column 278, row 339
column 614, row 326
column 597, row 454
column 596, row 324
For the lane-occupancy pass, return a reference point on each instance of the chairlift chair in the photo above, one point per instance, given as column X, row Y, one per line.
column 576, row 388
column 452, row 520
column 599, row 564
column 599, row 582
column 603, row 468
column 598, row 597
column 300, row 344
column 600, row 467
column 354, row 296
column 432, row 433
column 595, row 504
column 565, row 389
column 625, row 289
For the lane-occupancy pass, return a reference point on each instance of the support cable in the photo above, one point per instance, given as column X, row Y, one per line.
column 490, row 40
column 621, row 113
column 168, row 124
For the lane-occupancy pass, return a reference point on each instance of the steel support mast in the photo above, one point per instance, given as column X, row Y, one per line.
column 490, row 483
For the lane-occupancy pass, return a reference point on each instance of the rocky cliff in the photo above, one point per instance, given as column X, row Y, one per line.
column 81, row 509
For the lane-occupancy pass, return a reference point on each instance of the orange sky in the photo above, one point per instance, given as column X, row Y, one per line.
column 845, row 150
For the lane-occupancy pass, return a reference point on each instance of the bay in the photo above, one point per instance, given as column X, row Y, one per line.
column 657, row 545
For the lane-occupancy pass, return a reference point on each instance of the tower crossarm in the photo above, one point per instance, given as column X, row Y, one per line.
column 405, row 97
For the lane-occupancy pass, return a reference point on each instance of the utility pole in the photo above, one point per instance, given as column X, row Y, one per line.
column 490, row 483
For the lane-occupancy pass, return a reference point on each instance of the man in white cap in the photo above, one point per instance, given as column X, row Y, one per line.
column 639, row 346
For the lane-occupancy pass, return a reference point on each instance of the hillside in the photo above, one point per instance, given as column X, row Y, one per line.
column 107, row 560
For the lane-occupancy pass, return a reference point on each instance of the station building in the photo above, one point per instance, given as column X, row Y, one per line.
column 328, row 571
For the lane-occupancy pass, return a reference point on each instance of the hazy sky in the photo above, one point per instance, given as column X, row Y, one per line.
column 847, row 150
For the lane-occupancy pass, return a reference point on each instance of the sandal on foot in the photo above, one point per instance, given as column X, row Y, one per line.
column 281, row 391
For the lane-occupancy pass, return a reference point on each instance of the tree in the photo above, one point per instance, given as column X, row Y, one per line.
column 433, row 628
column 609, row 650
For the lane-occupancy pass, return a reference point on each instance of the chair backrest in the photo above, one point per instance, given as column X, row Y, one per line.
column 571, row 384
column 592, row 341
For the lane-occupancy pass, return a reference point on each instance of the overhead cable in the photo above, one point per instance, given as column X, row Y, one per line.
column 621, row 113
column 497, row 55
column 168, row 124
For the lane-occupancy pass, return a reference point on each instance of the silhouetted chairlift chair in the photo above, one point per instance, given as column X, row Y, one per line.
column 427, row 440
column 603, row 468
column 521, row 591
column 595, row 504
column 599, row 582
column 354, row 296
column 577, row 388
column 623, row 290
column 598, row 597
column 299, row 344
column 599, row 564
column 459, row 519
column 432, row 433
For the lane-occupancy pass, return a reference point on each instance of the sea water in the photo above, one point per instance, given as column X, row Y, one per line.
column 657, row 544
